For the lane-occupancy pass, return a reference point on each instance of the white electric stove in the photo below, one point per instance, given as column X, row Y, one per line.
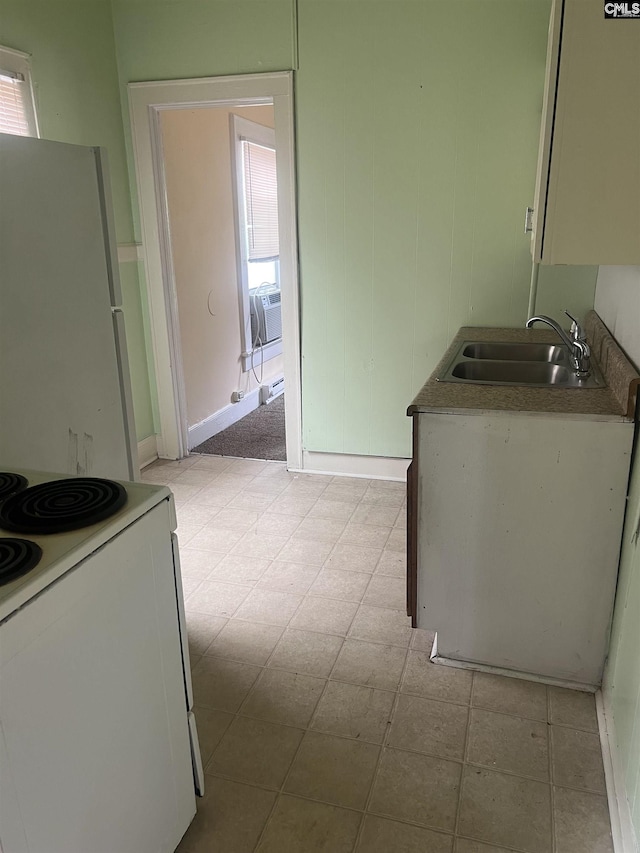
column 98, row 746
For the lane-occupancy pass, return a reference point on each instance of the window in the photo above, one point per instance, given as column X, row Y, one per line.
column 17, row 108
column 256, row 195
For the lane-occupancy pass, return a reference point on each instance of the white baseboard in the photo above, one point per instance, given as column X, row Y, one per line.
column 147, row 451
column 354, row 465
column 223, row 418
column 622, row 831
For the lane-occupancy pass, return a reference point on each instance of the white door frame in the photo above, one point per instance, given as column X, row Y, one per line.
column 146, row 101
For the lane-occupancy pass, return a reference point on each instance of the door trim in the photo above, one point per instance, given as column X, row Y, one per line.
column 146, row 101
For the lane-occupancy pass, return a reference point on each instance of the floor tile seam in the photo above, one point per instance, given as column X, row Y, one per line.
column 283, row 789
column 458, row 834
column 511, row 714
column 351, row 621
column 479, row 766
column 377, row 547
column 281, row 792
column 377, row 642
column 437, row 830
column 507, row 847
column 554, row 771
column 338, row 680
column 358, row 601
column 231, row 583
column 290, row 591
column 239, row 711
column 458, row 704
column 272, row 495
column 554, row 843
column 310, row 538
column 574, row 728
column 288, row 628
column 430, row 826
column 285, row 626
column 313, row 716
column 383, row 746
column 189, row 611
column 580, row 790
column 360, row 571
column 237, row 716
column 465, row 748
column 229, row 527
column 268, row 665
column 504, row 772
column 216, row 579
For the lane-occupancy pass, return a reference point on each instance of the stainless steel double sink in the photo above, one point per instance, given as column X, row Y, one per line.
column 489, row 363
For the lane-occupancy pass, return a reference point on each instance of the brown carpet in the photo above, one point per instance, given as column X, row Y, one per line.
column 259, row 435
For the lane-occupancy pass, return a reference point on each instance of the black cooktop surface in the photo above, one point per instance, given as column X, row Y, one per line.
column 17, row 557
column 11, row 483
column 61, row 505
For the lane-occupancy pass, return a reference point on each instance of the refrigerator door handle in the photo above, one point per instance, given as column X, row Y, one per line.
column 108, row 226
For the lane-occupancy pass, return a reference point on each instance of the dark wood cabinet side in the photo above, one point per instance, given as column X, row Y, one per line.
column 412, row 529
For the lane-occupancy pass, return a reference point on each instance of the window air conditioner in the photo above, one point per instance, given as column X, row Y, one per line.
column 266, row 315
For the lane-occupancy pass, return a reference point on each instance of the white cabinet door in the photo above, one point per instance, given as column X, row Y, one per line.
column 587, row 204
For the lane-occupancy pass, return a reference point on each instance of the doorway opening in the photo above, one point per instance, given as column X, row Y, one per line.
column 260, row 281
column 220, row 173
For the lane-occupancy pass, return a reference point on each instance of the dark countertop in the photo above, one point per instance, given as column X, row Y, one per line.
column 616, row 400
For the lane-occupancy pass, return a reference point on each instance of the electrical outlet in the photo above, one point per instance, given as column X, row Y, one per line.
column 236, row 396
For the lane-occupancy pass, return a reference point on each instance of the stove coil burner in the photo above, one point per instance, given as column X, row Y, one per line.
column 17, row 557
column 62, row 505
column 10, row 484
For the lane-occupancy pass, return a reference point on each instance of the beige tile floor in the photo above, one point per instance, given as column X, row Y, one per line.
column 323, row 725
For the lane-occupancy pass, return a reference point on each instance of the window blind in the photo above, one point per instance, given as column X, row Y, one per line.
column 261, row 201
column 14, row 116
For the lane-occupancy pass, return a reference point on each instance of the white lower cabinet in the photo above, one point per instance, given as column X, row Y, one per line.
column 517, row 520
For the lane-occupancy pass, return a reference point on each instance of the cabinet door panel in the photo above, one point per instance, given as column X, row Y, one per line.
column 588, row 204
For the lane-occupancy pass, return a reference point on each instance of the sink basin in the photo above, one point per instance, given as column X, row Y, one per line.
column 517, row 372
column 505, row 363
column 517, row 352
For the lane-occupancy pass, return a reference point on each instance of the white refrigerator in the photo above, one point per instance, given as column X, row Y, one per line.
column 65, row 403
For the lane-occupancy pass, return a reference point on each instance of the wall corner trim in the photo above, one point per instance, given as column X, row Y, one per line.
column 147, row 451
column 622, row 831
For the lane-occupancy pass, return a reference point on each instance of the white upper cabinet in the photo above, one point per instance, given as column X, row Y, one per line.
column 587, row 197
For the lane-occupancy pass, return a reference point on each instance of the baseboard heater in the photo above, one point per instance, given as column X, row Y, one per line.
column 269, row 392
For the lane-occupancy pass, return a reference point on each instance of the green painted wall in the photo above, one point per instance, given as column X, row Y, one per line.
column 160, row 40
column 618, row 303
column 417, row 129
column 138, row 339
column 566, row 288
column 623, row 676
column 417, row 133
column 75, row 79
column 417, row 145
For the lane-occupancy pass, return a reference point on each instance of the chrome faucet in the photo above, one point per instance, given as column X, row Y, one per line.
column 575, row 341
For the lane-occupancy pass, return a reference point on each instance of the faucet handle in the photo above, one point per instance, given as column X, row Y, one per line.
column 576, row 329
